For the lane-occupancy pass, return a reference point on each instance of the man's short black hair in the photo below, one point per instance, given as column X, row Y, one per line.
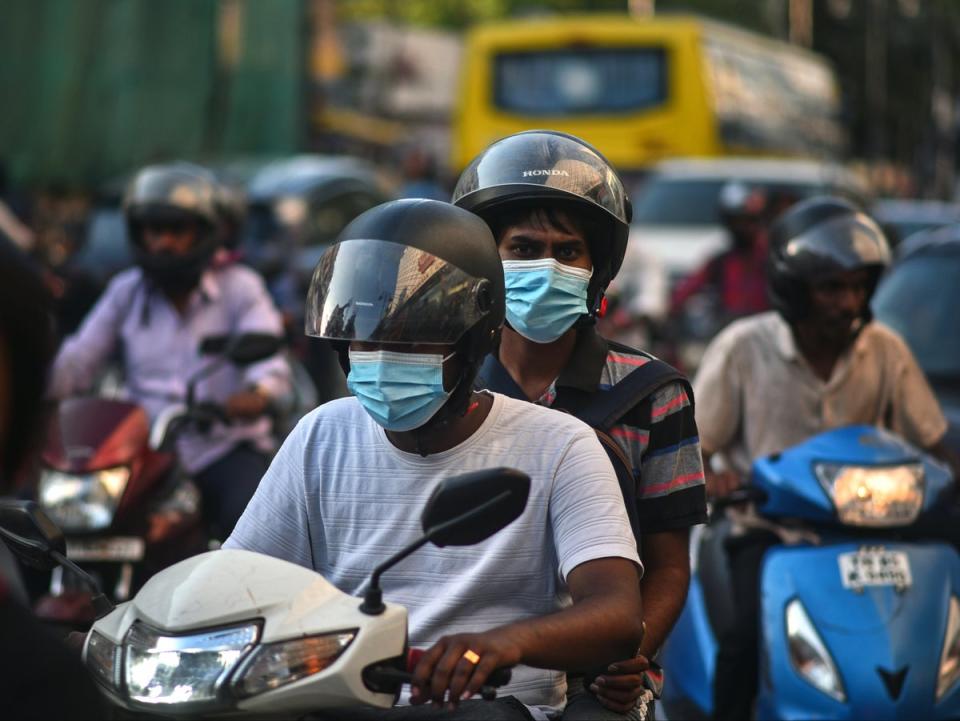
column 26, row 338
column 544, row 215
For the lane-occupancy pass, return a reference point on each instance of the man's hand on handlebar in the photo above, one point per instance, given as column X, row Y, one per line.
column 247, row 405
column 720, row 483
column 457, row 667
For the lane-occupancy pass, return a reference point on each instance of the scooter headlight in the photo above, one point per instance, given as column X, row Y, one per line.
column 949, row 672
column 809, row 655
column 277, row 664
column 181, row 669
column 874, row 496
column 82, row 502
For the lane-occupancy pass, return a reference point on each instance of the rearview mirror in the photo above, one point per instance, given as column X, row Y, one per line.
column 244, row 349
column 461, row 511
column 470, row 508
column 30, row 534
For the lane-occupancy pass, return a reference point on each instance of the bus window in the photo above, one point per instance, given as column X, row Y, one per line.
column 645, row 90
column 580, row 81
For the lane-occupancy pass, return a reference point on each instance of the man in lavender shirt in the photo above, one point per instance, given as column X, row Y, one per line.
column 154, row 317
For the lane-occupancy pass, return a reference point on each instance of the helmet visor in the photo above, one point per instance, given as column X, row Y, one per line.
column 844, row 243
column 383, row 292
column 541, row 165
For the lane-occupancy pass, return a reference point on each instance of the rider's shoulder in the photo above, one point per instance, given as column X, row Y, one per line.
column 876, row 335
column 760, row 329
column 537, row 425
column 238, row 278
column 334, row 416
column 123, row 283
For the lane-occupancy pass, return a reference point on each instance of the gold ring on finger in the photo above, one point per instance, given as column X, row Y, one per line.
column 472, row 656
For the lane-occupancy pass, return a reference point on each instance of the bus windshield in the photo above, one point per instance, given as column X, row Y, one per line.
column 580, row 80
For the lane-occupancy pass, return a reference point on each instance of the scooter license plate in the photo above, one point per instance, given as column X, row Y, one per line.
column 106, row 549
column 875, row 567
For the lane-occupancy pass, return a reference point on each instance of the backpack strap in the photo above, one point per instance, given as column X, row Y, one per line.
column 608, row 407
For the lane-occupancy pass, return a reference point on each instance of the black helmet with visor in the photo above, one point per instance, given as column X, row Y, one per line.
column 173, row 194
column 814, row 240
column 411, row 272
column 546, row 166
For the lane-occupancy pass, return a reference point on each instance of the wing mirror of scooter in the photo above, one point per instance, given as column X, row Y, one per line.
column 461, row 511
column 470, row 508
column 244, row 349
column 38, row 542
column 30, row 534
column 241, row 350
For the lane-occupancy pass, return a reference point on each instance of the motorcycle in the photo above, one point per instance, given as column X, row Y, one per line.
column 239, row 633
column 114, row 485
column 859, row 620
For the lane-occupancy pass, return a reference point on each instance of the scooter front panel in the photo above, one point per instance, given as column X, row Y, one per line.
column 885, row 641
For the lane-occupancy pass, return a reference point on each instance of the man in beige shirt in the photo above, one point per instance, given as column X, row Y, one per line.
column 816, row 362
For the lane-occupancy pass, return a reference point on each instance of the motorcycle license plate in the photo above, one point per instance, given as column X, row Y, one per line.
column 875, row 567
column 106, row 549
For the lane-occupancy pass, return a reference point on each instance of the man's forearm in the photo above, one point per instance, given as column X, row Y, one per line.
column 595, row 631
column 664, row 592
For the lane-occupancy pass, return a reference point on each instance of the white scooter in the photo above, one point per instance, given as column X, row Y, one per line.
column 238, row 633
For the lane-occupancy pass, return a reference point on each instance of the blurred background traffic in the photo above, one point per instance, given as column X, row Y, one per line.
column 718, row 114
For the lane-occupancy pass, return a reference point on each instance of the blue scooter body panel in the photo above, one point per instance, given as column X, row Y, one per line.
column 690, row 654
column 875, row 628
column 878, row 627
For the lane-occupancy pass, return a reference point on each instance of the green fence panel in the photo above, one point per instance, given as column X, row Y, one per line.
column 91, row 89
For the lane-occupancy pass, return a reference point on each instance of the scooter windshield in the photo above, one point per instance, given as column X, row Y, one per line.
column 378, row 291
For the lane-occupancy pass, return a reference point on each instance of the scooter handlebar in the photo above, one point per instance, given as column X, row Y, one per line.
column 388, row 676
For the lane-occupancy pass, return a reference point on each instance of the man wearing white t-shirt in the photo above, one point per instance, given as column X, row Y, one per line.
column 412, row 297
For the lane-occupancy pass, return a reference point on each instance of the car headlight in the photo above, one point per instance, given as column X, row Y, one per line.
column 809, row 655
column 277, row 664
column 185, row 668
column 103, row 660
column 874, row 496
column 82, row 502
column 949, row 671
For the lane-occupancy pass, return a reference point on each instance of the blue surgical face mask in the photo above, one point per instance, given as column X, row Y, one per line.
column 544, row 297
column 400, row 391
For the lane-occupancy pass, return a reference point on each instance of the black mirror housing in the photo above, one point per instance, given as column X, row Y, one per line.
column 470, row 508
column 30, row 534
column 244, row 349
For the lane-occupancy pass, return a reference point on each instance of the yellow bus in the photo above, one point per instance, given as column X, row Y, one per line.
column 645, row 89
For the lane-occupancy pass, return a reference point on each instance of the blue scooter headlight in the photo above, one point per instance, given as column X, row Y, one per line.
column 874, row 496
column 809, row 655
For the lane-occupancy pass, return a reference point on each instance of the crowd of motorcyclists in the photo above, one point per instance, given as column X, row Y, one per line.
column 467, row 334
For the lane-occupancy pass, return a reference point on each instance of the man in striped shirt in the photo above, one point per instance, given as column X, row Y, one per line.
column 560, row 217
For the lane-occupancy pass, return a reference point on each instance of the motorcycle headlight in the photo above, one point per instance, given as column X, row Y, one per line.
column 809, row 655
column 949, row 671
column 874, row 496
column 103, row 660
column 277, row 664
column 82, row 502
column 183, row 668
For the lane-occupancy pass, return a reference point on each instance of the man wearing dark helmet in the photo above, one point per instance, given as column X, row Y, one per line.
column 412, row 298
column 560, row 216
column 817, row 361
column 156, row 315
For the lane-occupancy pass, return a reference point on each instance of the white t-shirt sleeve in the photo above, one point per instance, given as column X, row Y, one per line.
column 586, row 507
column 275, row 521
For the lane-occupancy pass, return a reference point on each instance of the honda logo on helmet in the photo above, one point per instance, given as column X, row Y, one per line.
column 535, row 173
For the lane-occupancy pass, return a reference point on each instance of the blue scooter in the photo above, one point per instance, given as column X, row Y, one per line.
column 862, row 623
